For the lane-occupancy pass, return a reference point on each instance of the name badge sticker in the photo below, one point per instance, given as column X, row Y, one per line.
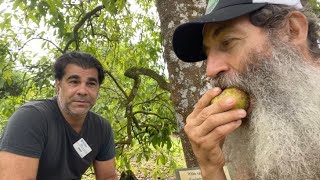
column 82, row 147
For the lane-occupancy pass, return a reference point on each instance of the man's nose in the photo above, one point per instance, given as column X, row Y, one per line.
column 216, row 63
column 82, row 89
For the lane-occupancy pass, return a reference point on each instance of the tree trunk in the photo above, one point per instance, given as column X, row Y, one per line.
column 186, row 79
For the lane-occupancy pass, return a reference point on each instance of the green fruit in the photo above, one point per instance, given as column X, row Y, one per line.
column 241, row 97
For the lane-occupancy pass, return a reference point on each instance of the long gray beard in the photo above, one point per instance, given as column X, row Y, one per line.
column 281, row 137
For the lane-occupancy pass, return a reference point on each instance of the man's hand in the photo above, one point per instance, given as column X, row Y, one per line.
column 207, row 126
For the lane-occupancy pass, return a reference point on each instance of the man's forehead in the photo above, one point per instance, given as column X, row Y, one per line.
column 218, row 27
column 77, row 77
column 212, row 27
column 215, row 29
column 75, row 71
column 70, row 68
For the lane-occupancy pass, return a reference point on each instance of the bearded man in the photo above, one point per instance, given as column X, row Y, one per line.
column 268, row 48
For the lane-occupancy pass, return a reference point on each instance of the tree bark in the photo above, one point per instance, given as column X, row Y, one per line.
column 187, row 80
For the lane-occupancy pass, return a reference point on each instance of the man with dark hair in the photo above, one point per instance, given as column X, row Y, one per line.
column 268, row 48
column 60, row 138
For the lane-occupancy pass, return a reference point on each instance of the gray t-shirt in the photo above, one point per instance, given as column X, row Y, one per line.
column 39, row 130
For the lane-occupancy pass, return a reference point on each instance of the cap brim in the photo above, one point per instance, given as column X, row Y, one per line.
column 187, row 38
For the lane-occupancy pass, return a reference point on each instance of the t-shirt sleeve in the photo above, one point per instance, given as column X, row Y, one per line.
column 24, row 133
column 107, row 150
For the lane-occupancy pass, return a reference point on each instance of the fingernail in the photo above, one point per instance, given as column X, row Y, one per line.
column 229, row 101
column 242, row 113
column 238, row 122
column 216, row 89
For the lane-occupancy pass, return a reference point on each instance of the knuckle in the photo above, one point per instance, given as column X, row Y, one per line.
column 200, row 142
column 205, row 113
column 189, row 120
column 190, row 131
column 199, row 104
column 220, row 132
column 220, row 105
column 187, row 128
column 194, row 139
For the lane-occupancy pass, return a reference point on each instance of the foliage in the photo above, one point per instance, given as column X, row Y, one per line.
column 315, row 4
column 160, row 165
column 124, row 36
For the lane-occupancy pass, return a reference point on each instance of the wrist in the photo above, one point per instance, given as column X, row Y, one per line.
column 210, row 174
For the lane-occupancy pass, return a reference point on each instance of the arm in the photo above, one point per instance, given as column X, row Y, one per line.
column 207, row 127
column 21, row 145
column 105, row 170
column 13, row 166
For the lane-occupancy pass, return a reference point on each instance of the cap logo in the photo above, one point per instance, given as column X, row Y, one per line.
column 211, row 5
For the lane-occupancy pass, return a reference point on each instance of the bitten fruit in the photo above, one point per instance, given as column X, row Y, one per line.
column 241, row 97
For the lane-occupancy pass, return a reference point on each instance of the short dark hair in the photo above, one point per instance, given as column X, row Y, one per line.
column 271, row 18
column 81, row 59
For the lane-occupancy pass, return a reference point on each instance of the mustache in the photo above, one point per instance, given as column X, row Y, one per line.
column 224, row 80
column 258, row 68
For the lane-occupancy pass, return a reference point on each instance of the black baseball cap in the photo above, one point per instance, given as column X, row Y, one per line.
column 187, row 38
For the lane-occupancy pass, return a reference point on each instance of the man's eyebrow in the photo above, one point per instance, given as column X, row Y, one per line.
column 93, row 79
column 220, row 29
column 73, row 77
column 78, row 77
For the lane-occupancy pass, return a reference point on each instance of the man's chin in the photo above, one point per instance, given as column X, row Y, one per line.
column 79, row 111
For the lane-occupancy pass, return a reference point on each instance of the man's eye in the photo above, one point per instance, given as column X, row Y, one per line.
column 73, row 82
column 228, row 43
column 92, row 83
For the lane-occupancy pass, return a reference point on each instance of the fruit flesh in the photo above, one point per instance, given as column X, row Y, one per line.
column 241, row 97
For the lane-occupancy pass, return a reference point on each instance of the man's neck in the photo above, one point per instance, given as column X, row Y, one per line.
column 76, row 122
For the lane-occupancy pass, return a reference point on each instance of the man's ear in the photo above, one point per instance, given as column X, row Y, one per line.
column 57, row 86
column 298, row 29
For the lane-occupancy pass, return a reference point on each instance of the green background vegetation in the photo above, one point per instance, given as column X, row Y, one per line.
column 125, row 36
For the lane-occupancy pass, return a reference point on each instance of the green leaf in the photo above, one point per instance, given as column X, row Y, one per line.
column 169, row 144
column 163, row 159
column 121, row 4
column 105, row 3
column 41, row 9
column 28, row 35
column 32, row 17
column 1, row 83
column 110, row 6
column 32, row 4
column 139, row 157
column 6, row 75
column 16, row 4
column 52, row 6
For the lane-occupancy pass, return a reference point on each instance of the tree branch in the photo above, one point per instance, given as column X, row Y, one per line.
column 136, row 71
column 78, row 26
column 41, row 38
column 154, row 114
column 50, row 43
column 117, row 84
